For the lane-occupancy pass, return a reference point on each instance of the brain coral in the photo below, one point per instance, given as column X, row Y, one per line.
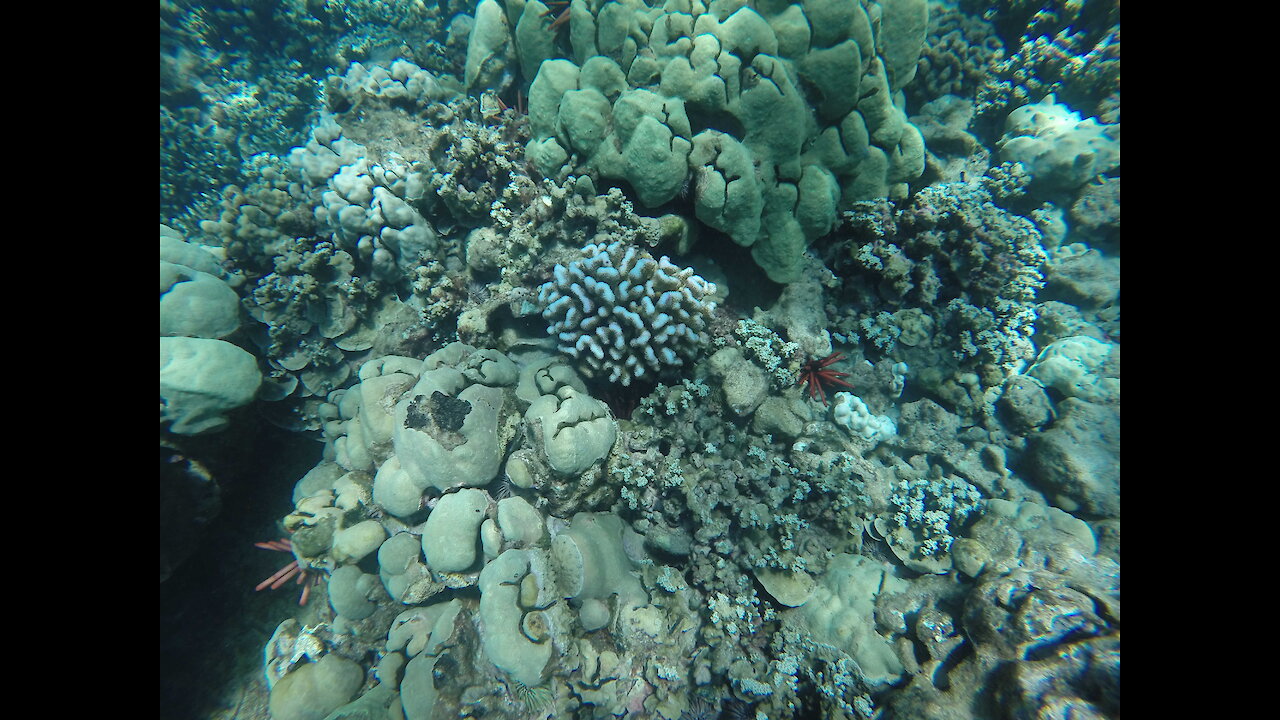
column 624, row 313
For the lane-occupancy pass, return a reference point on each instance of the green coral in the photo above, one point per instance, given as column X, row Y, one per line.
column 771, row 116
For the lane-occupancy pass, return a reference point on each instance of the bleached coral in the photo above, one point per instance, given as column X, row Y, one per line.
column 851, row 413
column 373, row 209
column 402, row 83
column 1077, row 367
column 625, row 314
column 1059, row 149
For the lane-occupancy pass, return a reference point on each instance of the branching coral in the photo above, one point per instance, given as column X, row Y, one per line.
column 625, row 314
column 963, row 272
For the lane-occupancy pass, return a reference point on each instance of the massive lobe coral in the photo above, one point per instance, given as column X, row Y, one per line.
column 625, row 314
column 774, row 114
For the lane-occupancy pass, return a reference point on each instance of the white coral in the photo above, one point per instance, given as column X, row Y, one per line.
column 625, row 314
column 1057, row 147
column 852, row 413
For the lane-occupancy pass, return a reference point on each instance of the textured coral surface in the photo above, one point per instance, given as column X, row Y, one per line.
column 670, row 359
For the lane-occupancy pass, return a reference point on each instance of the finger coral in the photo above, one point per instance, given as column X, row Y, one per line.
column 625, row 314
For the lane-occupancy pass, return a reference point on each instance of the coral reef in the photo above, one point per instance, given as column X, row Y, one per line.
column 959, row 54
column 1058, row 149
column 1063, row 47
column 746, row 106
column 564, row 288
column 625, row 314
column 241, row 78
column 952, row 270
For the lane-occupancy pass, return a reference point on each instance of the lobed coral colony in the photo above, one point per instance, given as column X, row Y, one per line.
column 679, row 360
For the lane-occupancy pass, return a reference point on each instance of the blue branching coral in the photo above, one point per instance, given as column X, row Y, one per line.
column 625, row 314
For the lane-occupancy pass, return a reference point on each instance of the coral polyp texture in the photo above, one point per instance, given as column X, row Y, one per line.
column 771, row 113
column 624, row 315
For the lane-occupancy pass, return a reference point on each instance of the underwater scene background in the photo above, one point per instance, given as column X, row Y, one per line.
column 636, row 359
